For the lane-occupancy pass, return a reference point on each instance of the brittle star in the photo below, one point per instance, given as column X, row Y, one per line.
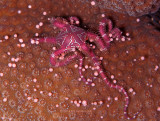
column 73, row 38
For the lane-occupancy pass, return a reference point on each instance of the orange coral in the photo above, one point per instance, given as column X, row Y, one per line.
column 31, row 89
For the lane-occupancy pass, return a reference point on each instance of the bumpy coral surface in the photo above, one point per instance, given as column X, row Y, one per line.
column 130, row 7
column 31, row 89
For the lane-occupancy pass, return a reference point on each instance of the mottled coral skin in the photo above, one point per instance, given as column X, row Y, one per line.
column 130, row 7
column 141, row 75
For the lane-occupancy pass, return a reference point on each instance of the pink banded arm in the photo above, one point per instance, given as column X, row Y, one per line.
column 99, row 42
column 74, row 20
column 58, row 24
column 104, row 77
column 47, row 40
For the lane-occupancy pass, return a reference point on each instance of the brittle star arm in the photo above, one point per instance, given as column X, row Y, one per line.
column 98, row 65
column 74, row 19
column 67, row 60
column 55, row 55
column 102, row 29
column 64, row 62
column 58, row 23
column 100, row 44
column 80, row 57
column 115, row 32
column 47, row 40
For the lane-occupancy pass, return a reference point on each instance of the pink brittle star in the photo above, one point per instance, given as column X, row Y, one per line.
column 73, row 39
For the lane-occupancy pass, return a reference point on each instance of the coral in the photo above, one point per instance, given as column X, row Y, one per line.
column 26, row 90
column 130, row 7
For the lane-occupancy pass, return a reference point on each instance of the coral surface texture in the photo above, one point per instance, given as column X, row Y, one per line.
column 115, row 81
